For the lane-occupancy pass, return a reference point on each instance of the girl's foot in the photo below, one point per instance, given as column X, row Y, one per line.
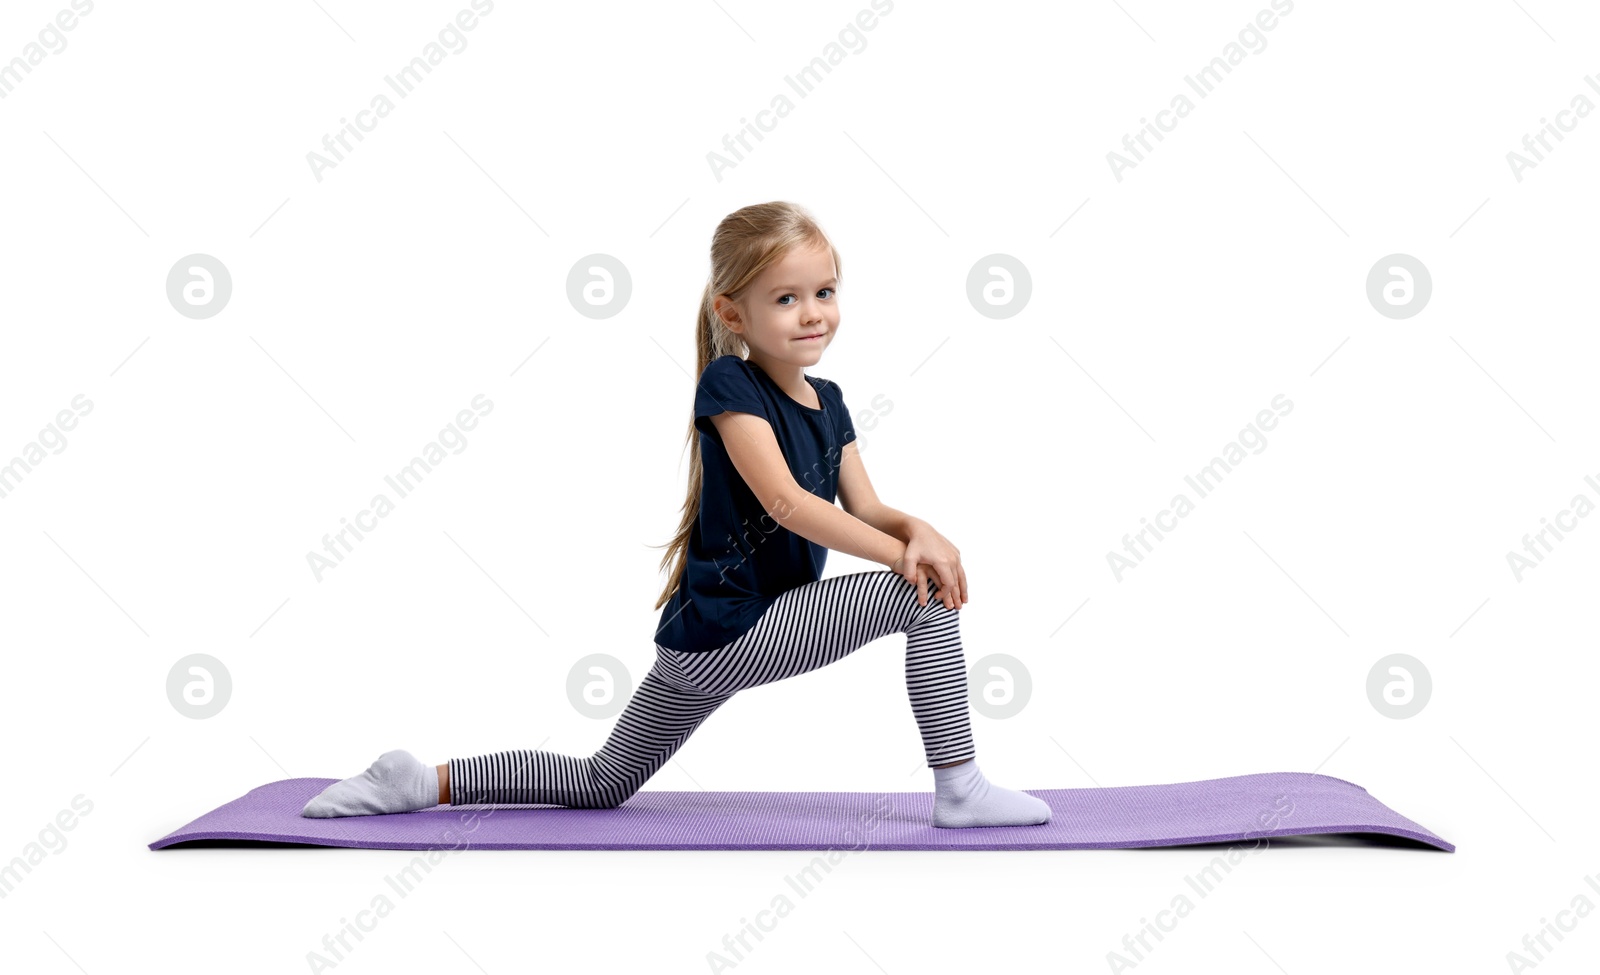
column 963, row 797
column 395, row 783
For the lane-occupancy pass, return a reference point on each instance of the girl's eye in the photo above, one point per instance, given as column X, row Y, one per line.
column 793, row 295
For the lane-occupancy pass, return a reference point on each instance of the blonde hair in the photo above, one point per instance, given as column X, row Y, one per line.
column 745, row 242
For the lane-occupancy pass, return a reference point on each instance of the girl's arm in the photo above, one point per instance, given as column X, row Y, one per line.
column 923, row 543
column 858, row 498
column 755, row 453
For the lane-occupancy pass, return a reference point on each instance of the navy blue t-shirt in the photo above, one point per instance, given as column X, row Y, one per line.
column 741, row 558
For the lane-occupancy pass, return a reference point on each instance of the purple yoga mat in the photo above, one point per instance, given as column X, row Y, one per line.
column 1242, row 808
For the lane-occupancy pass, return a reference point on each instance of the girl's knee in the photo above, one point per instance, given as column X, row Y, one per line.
column 934, row 615
column 608, row 792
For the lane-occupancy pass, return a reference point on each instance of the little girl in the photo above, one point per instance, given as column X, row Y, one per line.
column 747, row 604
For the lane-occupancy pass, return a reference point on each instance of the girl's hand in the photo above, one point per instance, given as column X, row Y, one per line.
column 930, row 557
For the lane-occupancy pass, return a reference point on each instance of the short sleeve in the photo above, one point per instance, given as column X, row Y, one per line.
column 847, row 429
column 726, row 386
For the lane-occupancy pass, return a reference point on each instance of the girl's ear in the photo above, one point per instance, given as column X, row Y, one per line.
column 725, row 309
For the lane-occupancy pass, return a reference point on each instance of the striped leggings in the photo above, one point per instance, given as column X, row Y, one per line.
column 806, row 628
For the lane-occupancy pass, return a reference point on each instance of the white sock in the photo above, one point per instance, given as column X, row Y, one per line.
column 395, row 783
column 963, row 797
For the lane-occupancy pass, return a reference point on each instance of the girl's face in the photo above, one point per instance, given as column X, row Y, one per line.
column 789, row 300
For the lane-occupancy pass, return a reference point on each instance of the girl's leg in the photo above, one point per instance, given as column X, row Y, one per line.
column 659, row 718
column 806, row 628
column 814, row 625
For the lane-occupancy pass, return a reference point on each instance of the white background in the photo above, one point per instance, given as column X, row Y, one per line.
column 370, row 306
